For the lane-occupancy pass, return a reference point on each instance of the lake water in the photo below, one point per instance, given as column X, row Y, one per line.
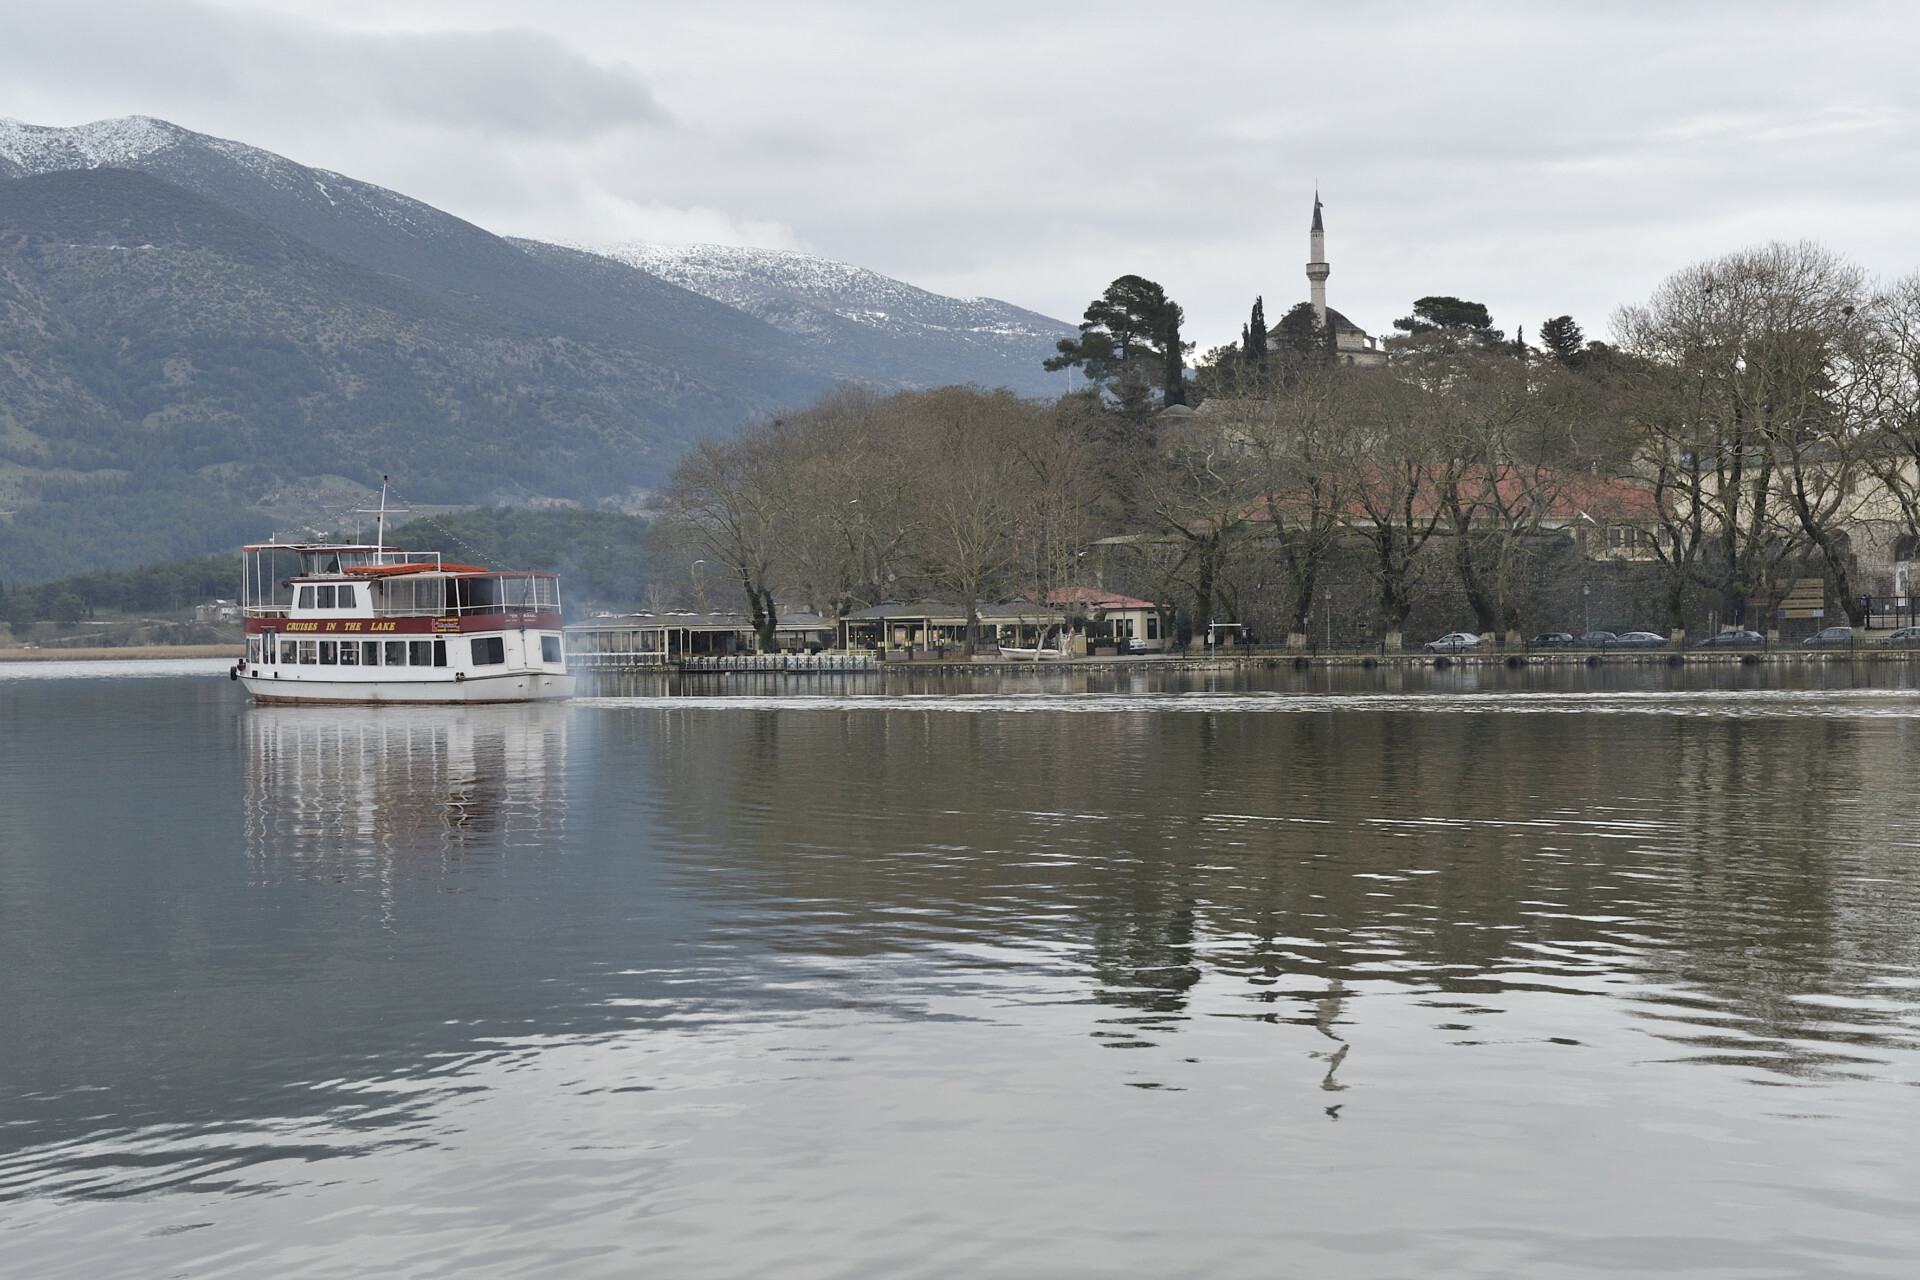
column 1542, row 974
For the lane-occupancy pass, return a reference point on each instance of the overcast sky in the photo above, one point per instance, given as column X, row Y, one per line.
column 1541, row 158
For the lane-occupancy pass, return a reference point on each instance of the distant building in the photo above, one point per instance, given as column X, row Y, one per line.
column 934, row 626
column 1112, row 617
column 1354, row 344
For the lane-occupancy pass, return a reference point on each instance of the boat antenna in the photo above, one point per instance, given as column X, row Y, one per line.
column 380, row 521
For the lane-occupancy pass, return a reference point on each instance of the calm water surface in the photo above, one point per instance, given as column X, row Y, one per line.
column 1540, row 974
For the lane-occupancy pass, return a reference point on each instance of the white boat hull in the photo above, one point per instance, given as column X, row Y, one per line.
column 294, row 684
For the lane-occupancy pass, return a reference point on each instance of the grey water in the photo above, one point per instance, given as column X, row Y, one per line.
column 1374, row 974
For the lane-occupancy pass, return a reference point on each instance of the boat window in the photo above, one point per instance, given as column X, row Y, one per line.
column 549, row 648
column 474, row 595
column 306, row 597
column 489, row 651
column 289, row 651
column 309, row 653
column 420, row 652
column 396, row 653
column 410, row 595
column 369, row 653
column 329, row 653
column 326, row 598
column 538, row 595
column 395, row 595
column 349, row 653
column 264, row 580
column 439, row 653
column 343, row 597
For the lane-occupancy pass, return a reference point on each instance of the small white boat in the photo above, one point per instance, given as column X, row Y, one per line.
column 1040, row 654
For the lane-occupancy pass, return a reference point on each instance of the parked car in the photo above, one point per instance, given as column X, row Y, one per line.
column 1551, row 640
column 1905, row 635
column 1640, row 640
column 1829, row 637
column 1453, row 642
column 1597, row 640
column 1136, row 644
column 1735, row 639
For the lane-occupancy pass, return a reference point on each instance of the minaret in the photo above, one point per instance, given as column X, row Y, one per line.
column 1317, row 268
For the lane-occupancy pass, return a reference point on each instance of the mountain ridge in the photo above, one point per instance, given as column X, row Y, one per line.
column 859, row 318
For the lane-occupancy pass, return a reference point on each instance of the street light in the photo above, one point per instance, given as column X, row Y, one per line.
column 1586, row 607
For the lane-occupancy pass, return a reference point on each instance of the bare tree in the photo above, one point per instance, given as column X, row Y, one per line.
column 852, row 518
column 1397, row 466
column 1518, row 440
column 726, row 501
column 1891, row 402
column 972, row 490
column 1754, row 340
column 1200, row 487
column 1296, row 434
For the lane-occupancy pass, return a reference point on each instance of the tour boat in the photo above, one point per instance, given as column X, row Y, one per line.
column 347, row 622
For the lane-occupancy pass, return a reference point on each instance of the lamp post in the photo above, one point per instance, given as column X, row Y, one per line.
column 1586, row 609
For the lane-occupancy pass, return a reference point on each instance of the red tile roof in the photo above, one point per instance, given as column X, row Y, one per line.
column 1093, row 598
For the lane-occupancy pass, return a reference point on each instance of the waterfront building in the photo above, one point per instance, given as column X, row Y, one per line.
column 659, row 639
column 1113, row 618
column 936, row 627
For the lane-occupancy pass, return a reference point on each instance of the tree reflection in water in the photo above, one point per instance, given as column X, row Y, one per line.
column 1713, row 869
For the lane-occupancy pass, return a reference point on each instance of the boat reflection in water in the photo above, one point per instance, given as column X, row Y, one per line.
column 357, row 792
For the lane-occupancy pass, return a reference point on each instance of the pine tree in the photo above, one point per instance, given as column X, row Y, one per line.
column 1300, row 333
column 1130, row 333
column 1562, row 336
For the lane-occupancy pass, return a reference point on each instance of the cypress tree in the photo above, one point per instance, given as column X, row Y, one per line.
column 1253, row 338
column 1176, row 386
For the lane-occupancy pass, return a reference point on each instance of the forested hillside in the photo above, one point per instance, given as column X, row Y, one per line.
column 600, row 556
column 174, row 364
column 201, row 342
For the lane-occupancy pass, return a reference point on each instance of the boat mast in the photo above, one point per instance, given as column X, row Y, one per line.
column 379, row 522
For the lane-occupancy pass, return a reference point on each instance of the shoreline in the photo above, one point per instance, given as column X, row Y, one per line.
column 1220, row 662
column 132, row 651
column 1310, row 660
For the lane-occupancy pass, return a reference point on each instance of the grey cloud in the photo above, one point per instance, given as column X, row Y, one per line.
column 514, row 81
column 1542, row 159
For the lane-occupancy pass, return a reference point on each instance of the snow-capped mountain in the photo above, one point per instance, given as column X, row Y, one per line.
column 327, row 209
column 194, row 322
column 847, row 321
column 869, row 327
